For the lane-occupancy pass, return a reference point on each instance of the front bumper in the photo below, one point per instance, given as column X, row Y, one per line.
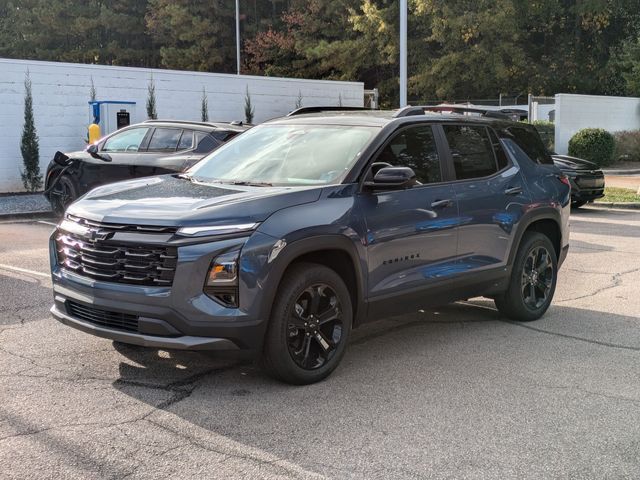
column 184, row 342
column 180, row 316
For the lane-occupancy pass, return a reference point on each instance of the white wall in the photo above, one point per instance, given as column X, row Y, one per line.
column 575, row 112
column 61, row 93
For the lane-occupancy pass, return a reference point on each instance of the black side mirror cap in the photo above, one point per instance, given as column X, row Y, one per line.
column 392, row 178
column 93, row 151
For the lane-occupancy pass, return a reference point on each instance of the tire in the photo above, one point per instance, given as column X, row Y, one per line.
column 299, row 349
column 579, row 203
column 63, row 195
column 522, row 301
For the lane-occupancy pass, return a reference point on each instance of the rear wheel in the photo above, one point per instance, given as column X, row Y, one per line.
column 533, row 280
column 63, row 195
column 309, row 326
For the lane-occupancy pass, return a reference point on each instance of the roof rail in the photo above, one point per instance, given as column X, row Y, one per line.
column 235, row 123
column 422, row 109
column 318, row 109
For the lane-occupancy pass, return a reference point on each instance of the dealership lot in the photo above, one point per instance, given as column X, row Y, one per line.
column 454, row 392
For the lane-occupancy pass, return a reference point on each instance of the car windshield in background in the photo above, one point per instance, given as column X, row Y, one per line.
column 286, row 155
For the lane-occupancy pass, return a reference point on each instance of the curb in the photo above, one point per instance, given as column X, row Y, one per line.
column 613, row 173
column 26, row 215
column 626, row 205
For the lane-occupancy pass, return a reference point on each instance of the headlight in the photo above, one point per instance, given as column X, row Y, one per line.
column 221, row 284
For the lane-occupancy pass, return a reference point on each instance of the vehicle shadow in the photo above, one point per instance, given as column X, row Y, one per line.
column 400, row 380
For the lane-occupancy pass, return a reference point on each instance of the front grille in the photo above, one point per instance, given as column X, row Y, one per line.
column 117, row 227
column 103, row 318
column 110, row 261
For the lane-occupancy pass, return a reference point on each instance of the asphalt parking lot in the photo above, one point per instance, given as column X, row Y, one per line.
column 456, row 392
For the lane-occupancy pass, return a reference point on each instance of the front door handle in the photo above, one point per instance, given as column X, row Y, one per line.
column 513, row 191
column 442, row 203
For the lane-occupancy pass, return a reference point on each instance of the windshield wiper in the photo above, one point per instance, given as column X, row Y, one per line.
column 249, row 183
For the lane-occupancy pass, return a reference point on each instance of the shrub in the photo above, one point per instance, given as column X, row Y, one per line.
column 627, row 146
column 248, row 108
column 547, row 131
column 152, row 114
column 593, row 144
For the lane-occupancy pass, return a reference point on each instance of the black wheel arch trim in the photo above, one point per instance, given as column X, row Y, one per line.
column 529, row 218
column 305, row 246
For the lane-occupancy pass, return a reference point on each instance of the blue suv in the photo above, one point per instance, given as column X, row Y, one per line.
column 286, row 238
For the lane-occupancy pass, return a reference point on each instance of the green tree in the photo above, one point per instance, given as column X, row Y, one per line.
column 204, row 106
column 29, row 147
column 249, row 109
column 152, row 114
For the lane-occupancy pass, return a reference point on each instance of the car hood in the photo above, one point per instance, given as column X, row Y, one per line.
column 173, row 200
column 572, row 163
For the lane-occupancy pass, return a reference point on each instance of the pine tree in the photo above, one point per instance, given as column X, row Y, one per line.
column 31, row 177
column 248, row 108
column 299, row 100
column 204, row 106
column 93, row 93
column 151, row 100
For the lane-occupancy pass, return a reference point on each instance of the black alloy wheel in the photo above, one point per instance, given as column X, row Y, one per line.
column 315, row 327
column 309, row 326
column 537, row 277
column 64, row 193
column 533, row 279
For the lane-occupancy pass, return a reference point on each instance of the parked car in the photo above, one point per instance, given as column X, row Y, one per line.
column 149, row 148
column 586, row 178
column 281, row 241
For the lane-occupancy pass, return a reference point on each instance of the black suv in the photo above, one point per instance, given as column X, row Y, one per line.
column 287, row 237
column 153, row 147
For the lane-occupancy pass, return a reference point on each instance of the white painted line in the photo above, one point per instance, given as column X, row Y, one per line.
column 48, row 223
column 24, row 270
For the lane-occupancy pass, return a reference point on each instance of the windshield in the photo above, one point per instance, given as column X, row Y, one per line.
column 286, row 155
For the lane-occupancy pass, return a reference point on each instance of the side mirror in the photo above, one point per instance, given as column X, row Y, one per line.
column 392, row 178
column 93, row 151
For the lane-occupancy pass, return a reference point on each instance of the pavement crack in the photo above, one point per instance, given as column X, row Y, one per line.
column 616, row 280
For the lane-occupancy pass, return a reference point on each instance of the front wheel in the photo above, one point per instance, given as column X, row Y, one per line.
column 63, row 195
column 309, row 326
column 578, row 203
column 533, row 280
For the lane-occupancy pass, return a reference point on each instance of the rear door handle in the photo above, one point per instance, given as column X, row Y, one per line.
column 442, row 203
column 513, row 191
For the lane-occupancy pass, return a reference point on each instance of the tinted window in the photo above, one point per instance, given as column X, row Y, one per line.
column 501, row 157
column 532, row 145
column 164, row 140
column 471, row 150
column 415, row 148
column 206, row 143
column 223, row 136
column 186, row 140
column 127, row 141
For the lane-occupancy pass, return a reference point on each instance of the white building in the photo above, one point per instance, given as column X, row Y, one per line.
column 62, row 112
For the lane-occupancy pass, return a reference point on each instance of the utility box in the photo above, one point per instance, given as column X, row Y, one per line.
column 112, row 115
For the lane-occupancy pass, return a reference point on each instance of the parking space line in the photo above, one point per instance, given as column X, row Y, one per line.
column 48, row 223
column 23, row 270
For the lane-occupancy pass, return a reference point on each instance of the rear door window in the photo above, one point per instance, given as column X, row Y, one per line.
column 164, row 140
column 471, row 150
column 186, row 140
column 205, row 143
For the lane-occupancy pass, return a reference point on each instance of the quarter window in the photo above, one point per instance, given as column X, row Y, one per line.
column 164, row 140
column 532, row 145
column 471, row 150
column 127, row 141
column 414, row 147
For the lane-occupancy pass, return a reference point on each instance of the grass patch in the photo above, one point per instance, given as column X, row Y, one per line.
column 619, row 195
